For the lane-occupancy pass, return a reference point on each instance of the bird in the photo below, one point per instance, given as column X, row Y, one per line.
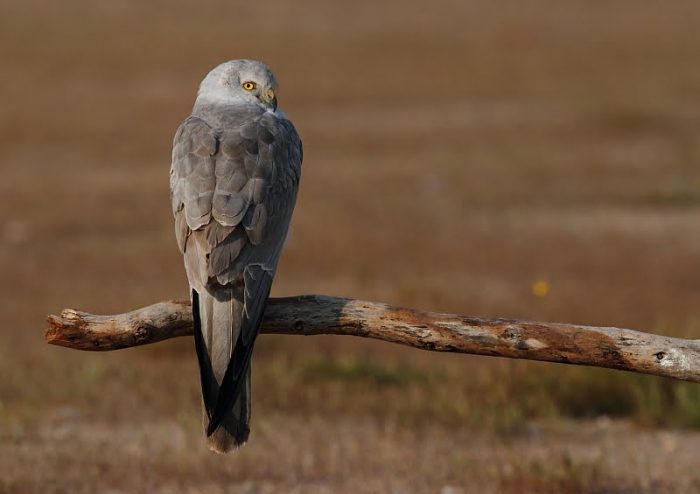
column 234, row 177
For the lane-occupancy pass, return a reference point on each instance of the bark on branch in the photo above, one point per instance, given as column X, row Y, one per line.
column 613, row 348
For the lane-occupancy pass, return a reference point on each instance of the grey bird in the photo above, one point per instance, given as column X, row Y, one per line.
column 234, row 177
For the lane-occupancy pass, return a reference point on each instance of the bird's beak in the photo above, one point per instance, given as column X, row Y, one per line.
column 269, row 98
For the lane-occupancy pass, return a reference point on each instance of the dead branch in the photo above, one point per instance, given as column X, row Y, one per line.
column 613, row 348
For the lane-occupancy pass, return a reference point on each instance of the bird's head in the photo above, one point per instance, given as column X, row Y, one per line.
column 240, row 82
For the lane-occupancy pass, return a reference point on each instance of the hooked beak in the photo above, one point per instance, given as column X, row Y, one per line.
column 269, row 98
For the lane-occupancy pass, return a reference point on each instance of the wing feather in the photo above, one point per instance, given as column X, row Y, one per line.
column 233, row 190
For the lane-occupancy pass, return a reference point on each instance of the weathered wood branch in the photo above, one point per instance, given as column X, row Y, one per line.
column 613, row 348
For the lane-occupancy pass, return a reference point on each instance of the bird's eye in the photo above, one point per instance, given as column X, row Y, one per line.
column 248, row 86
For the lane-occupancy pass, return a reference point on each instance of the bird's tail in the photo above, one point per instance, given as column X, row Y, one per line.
column 217, row 323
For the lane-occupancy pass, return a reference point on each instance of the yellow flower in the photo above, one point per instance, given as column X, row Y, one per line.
column 541, row 288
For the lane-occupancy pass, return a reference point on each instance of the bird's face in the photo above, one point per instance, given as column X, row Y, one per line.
column 240, row 81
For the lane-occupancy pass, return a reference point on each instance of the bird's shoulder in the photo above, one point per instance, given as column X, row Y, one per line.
column 231, row 129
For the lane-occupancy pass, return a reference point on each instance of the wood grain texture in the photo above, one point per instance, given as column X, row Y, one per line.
column 614, row 348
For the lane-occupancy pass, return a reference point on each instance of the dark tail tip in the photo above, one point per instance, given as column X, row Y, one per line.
column 224, row 440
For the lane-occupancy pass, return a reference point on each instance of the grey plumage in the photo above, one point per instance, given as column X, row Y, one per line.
column 234, row 177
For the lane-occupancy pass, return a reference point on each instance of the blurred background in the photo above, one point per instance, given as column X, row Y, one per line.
column 533, row 160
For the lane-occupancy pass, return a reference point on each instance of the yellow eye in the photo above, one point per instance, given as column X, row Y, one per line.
column 248, row 86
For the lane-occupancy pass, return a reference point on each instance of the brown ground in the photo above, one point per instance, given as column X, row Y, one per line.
column 455, row 153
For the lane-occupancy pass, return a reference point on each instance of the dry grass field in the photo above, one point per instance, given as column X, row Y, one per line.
column 456, row 152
